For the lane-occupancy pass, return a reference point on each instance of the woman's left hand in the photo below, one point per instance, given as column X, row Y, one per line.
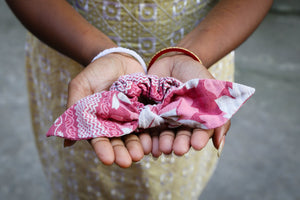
column 179, row 141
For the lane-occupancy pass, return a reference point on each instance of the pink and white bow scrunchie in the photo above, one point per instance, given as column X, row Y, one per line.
column 137, row 102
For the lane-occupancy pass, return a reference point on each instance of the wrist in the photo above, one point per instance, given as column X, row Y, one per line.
column 126, row 60
column 126, row 53
column 173, row 51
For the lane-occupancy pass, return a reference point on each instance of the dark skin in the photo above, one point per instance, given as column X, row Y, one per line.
column 228, row 25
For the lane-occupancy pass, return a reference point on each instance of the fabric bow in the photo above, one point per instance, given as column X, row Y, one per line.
column 137, row 102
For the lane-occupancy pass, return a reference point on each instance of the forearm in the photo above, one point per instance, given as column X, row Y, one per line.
column 229, row 24
column 57, row 24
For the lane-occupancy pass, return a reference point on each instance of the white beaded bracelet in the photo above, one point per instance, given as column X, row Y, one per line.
column 122, row 50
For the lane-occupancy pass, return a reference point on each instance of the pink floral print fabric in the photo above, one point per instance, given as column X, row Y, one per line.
column 137, row 102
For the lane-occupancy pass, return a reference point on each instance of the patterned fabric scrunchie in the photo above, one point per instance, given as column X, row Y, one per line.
column 137, row 102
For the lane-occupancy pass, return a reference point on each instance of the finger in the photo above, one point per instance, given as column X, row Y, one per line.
column 219, row 133
column 200, row 138
column 134, row 147
column 103, row 150
column 221, row 146
column 122, row 156
column 155, row 146
column 182, row 142
column 68, row 143
column 146, row 142
column 76, row 91
column 166, row 140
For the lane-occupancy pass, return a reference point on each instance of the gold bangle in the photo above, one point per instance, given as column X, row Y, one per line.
column 172, row 49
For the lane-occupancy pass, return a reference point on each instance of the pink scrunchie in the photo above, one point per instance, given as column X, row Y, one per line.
column 137, row 102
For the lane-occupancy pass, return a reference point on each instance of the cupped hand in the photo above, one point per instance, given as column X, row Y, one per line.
column 184, row 68
column 99, row 76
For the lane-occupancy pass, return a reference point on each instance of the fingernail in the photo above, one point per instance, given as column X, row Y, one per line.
column 221, row 146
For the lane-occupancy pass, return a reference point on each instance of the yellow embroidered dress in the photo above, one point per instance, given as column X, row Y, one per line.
column 145, row 26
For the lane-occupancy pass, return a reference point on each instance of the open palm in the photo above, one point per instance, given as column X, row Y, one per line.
column 99, row 76
column 184, row 68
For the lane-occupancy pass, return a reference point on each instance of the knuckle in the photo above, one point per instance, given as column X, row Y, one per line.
column 130, row 140
column 95, row 141
column 167, row 133
column 184, row 133
column 117, row 142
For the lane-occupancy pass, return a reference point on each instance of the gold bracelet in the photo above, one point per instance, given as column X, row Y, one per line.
column 172, row 49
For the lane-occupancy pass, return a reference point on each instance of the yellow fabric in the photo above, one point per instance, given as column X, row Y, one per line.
column 76, row 173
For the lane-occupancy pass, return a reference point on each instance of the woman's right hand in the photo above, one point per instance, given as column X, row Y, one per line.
column 99, row 76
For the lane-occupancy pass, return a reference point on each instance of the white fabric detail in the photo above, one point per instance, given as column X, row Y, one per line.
column 170, row 114
column 124, row 98
column 59, row 133
column 192, row 123
column 192, row 84
column 122, row 50
column 231, row 105
column 228, row 105
column 127, row 130
column 115, row 102
column 148, row 119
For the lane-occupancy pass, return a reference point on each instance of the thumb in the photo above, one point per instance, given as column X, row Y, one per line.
column 219, row 134
column 76, row 91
